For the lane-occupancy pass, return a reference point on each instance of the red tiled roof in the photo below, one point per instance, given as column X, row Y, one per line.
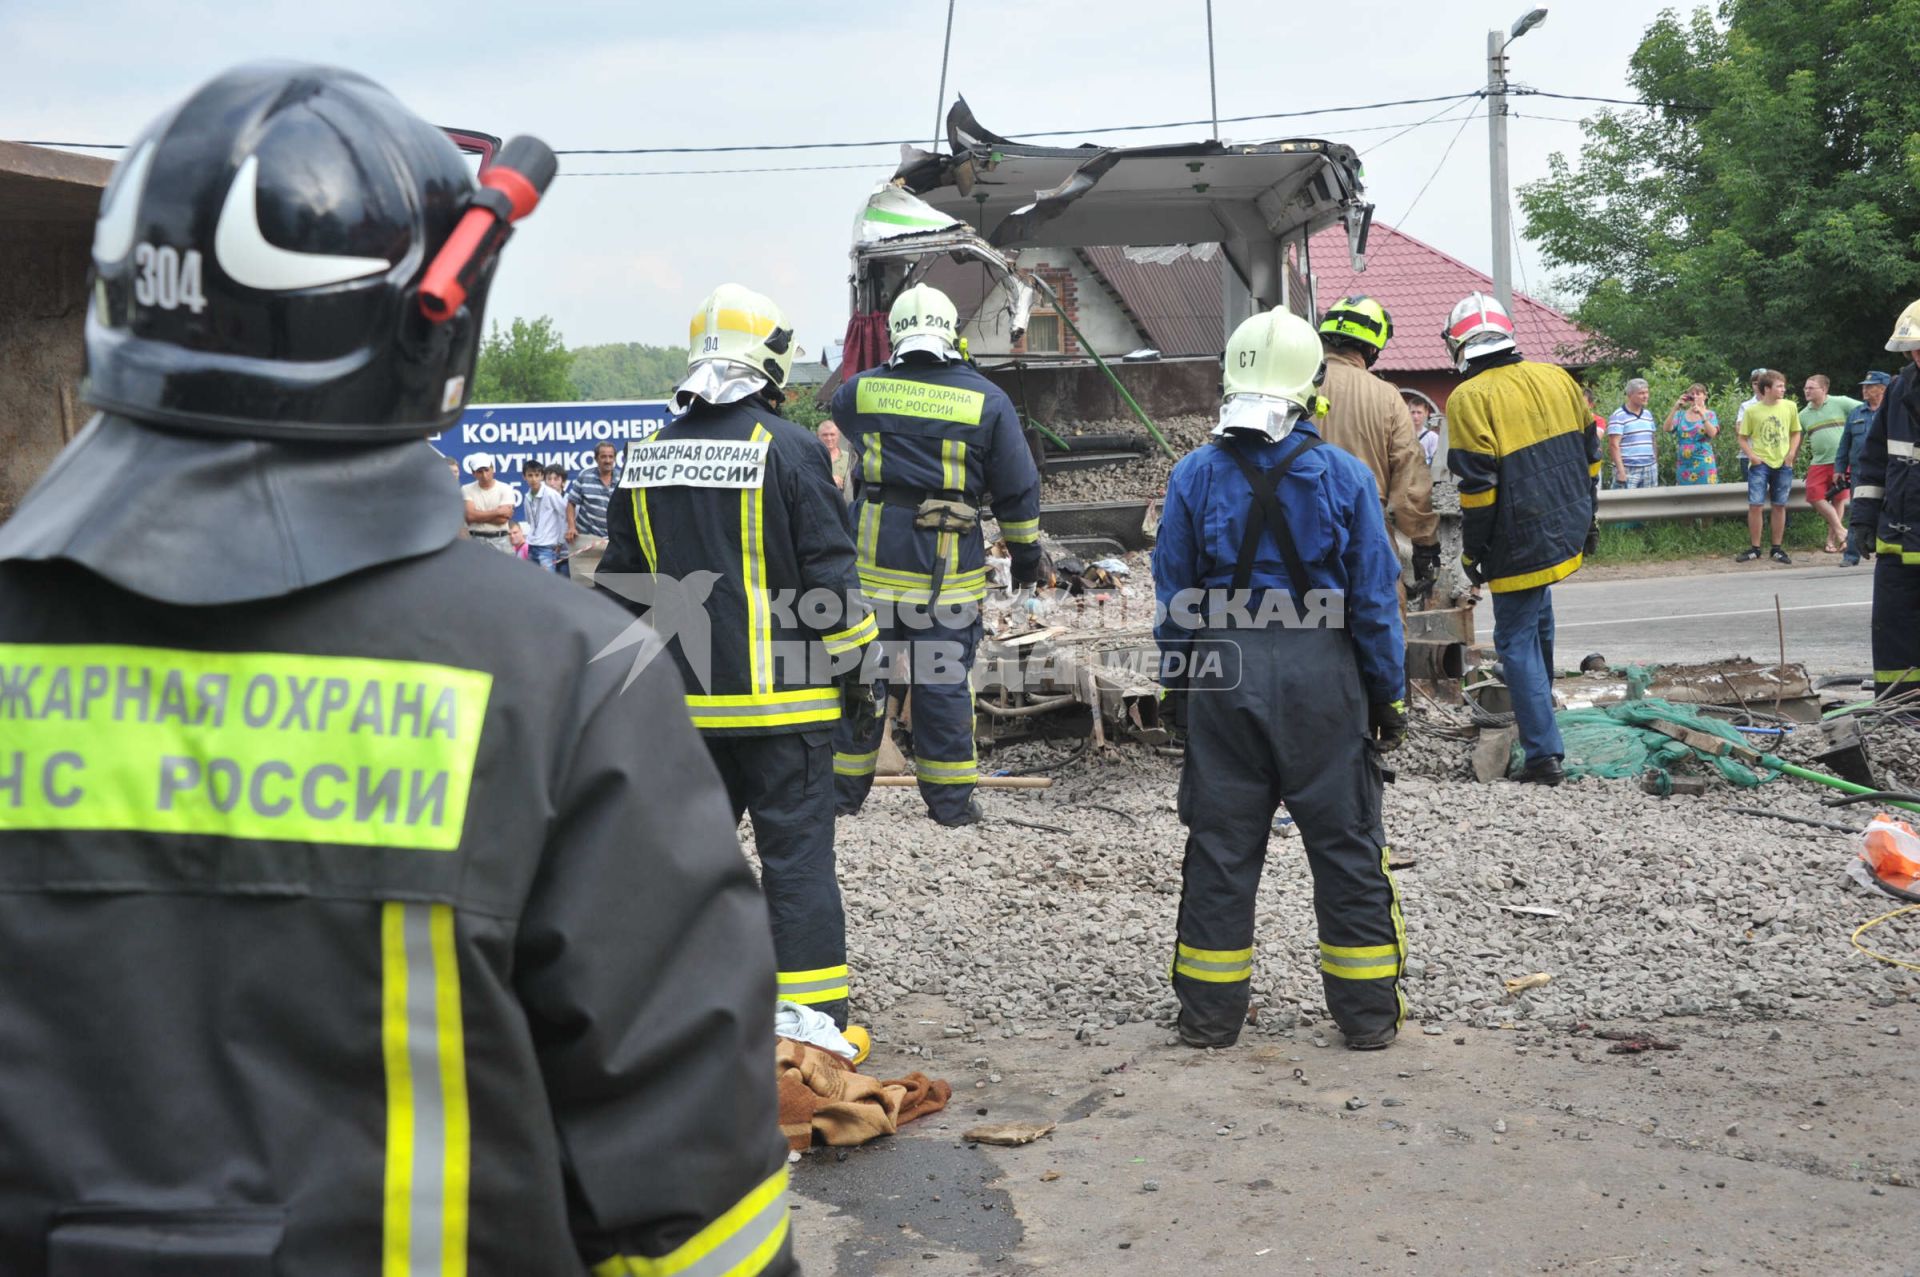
column 1419, row 285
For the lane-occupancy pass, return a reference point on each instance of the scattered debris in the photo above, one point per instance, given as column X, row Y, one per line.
column 1633, row 1041
column 1521, row 984
column 1532, row 911
column 1047, row 1177
column 1007, row 1134
column 1355, row 1103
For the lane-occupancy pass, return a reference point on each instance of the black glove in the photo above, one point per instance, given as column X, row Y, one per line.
column 1173, row 709
column 1476, row 572
column 1387, row 721
column 856, row 698
column 1426, row 562
column 1860, row 540
column 1592, row 546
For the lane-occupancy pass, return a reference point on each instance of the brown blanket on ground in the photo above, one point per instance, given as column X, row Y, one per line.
column 820, row 1094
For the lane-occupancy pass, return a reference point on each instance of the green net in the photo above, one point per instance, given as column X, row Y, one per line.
column 1613, row 741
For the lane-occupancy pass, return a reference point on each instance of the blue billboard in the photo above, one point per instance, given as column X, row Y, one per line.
column 562, row 434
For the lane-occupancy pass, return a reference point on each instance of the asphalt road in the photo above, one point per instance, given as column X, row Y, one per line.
column 1702, row 616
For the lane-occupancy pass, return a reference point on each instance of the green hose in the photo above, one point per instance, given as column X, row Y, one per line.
column 1041, row 426
column 1786, row 768
column 1139, row 412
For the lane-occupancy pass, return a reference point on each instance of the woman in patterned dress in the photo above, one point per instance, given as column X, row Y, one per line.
column 1694, row 425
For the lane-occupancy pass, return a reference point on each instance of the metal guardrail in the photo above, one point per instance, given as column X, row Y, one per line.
column 1695, row 501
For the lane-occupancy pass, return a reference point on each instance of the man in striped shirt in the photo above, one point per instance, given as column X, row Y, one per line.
column 1630, row 440
column 587, row 511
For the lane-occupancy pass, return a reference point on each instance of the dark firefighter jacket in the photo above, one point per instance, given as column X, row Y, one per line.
column 1886, row 490
column 1332, row 507
column 1522, row 444
column 358, row 921
column 921, row 428
column 739, row 502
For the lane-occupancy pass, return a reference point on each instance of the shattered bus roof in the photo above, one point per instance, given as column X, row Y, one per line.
column 1199, row 192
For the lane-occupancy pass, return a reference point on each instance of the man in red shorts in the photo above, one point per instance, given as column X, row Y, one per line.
column 1825, row 420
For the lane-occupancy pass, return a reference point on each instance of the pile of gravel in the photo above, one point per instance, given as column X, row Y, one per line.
column 1665, row 906
column 1144, row 479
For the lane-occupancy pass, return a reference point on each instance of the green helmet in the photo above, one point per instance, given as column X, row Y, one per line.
column 923, row 318
column 1362, row 321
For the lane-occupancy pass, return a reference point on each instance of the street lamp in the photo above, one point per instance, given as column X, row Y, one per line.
column 1497, row 151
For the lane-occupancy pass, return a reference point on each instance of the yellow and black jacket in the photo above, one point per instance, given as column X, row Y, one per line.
column 921, row 428
column 741, row 517
column 1523, row 448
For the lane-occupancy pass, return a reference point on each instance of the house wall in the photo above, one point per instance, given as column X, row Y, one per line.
column 43, row 302
column 1087, row 301
column 1434, row 385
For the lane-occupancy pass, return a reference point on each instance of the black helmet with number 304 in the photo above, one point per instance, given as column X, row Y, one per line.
column 257, row 264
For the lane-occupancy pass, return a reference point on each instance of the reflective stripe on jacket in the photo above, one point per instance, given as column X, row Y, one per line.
column 370, row 930
column 1886, row 491
column 760, row 602
column 1521, row 444
column 919, row 424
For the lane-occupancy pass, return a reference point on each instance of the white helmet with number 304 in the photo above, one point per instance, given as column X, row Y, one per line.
column 1479, row 326
column 923, row 318
column 1274, row 364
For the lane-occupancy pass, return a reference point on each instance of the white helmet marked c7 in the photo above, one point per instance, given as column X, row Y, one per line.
column 1274, row 363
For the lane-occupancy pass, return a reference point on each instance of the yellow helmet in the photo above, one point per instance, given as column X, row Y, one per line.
column 1906, row 332
column 736, row 325
column 923, row 318
column 1361, row 320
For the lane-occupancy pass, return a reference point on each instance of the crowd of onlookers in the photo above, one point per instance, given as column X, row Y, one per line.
column 1772, row 432
column 558, row 524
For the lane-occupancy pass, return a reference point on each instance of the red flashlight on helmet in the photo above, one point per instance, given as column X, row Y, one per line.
column 509, row 189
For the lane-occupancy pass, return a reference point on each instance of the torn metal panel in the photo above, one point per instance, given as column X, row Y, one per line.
column 898, row 238
column 1253, row 199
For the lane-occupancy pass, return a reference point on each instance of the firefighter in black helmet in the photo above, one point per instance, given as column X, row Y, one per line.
column 347, row 929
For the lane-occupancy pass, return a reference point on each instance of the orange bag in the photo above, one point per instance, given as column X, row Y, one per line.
column 1892, row 852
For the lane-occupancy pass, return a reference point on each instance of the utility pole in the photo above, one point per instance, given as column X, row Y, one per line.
column 1502, row 202
column 1213, row 91
column 1497, row 167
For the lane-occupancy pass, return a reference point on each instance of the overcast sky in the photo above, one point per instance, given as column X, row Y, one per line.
column 629, row 258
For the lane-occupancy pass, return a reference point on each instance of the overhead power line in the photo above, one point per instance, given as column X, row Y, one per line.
column 1581, row 97
column 1402, row 223
column 907, row 141
column 1403, row 128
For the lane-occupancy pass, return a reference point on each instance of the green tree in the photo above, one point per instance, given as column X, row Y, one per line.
column 528, row 363
column 1772, row 215
column 627, row 370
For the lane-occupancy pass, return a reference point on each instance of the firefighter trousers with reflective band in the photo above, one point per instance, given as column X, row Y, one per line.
column 938, row 645
column 1896, row 623
column 785, row 784
column 1288, row 725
